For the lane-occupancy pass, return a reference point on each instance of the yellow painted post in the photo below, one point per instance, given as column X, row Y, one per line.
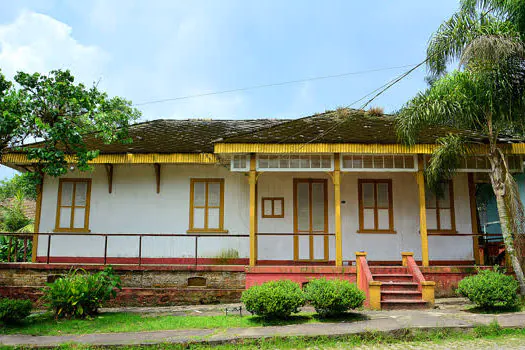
column 38, row 213
column 374, row 290
column 253, row 213
column 422, row 212
column 427, row 290
column 404, row 256
column 337, row 207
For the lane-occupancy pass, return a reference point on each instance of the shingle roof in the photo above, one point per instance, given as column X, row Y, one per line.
column 180, row 136
column 341, row 126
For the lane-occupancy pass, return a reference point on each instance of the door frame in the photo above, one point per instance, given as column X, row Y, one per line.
column 310, row 181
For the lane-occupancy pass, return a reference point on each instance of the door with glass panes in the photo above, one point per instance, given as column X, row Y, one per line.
column 310, row 220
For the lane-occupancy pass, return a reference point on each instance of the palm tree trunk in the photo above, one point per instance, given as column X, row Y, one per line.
column 507, row 218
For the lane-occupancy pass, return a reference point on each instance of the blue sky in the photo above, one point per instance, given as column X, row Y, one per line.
column 156, row 49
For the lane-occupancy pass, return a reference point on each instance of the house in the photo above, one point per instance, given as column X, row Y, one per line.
column 285, row 198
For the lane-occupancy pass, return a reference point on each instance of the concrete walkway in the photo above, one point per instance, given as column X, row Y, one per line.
column 446, row 316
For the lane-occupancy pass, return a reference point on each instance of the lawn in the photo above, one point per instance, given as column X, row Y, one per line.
column 45, row 324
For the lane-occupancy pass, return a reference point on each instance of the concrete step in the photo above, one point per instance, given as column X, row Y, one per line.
column 399, row 286
column 400, row 295
column 393, row 277
column 403, row 304
column 388, row 269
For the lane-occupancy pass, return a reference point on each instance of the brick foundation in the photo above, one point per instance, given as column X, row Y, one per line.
column 447, row 278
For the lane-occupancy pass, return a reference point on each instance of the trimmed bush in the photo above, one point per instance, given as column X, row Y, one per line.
column 80, row 294
column 490, row 290
column 334, row 296
column 274, row 299
column 13, row 310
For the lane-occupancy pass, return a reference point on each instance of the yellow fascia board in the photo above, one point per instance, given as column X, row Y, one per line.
column 290, row 148
column 130, row 158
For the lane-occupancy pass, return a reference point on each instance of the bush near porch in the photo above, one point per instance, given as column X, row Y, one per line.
column 334, row 296
column 490, row 289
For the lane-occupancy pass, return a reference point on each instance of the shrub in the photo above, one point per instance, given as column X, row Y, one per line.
column 490, row 289
column 80, row 294
column 13, row 310
column 332, row 297
column 274, row 299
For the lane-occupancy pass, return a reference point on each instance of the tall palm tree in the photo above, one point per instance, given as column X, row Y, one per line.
column 485, row 95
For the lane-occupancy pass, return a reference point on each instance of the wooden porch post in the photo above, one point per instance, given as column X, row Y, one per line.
column 253, row 210
column 474, row 218
column 422, row 210
column 337, row 207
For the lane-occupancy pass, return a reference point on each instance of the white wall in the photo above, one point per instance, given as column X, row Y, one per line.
column 135, row 207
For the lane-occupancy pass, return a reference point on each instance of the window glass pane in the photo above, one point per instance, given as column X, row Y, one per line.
column 368, row 195
column 409, row 162
column 471, row 163
column 445, row 219
column 303, row 207
column 277, row 207
column 389, row 162
column 198, row 217
column 267, row 207
column 79, row 217
column 367, row 162
column 284, row 162
column 65, row 218
column 378, row 162
column 213, row 218
column 383, row 220
column 357, row 162
column 398, row 162
column 239, row 161
column 304, row 162
column 199, row 194
column 295, row 162
column 80, row 194
column 318, row 219
column 67, row 193
column 444, row 198
column 431, row 219
column 430, row 198
column 382, row 195
column 214, row 194
column 368, row 219
column 326, row 162
column 347, row 162
column 273, row 162
column 315, row 162
column 263, row 162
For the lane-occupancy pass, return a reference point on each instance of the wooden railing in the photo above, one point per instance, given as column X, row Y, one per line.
column 14, row 239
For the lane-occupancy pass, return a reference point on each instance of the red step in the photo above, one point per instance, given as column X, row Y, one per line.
column 388, row 269
column 393, row 277
column 399, row 286
column 402, row 304
column 400, row 295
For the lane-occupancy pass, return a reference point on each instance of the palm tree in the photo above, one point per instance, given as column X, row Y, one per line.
column 484, row 95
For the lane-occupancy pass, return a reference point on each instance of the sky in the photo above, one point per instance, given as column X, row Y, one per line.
column 159, row 49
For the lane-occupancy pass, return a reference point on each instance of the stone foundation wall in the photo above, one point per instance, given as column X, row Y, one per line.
column 142, row 286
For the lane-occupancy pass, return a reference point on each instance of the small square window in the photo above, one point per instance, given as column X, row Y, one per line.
column 273, row 207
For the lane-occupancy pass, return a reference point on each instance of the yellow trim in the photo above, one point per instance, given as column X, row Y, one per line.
column 422, row 212
column 38, row 214
column 130, row 158
column 404, row 256
column 374, row 292
column 427, row 291
column 337, row 206
column 253, row 202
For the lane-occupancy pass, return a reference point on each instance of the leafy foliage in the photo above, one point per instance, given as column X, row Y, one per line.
column 14, row 310
column 332, row 297
column 490, row 289
column 20, row 183
column 80, row 294
column 13, row 219
column 60, row 113
column 274, row 299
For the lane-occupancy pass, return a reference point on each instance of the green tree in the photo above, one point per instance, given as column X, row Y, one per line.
column 19, row 183
column 59, row 113
column 13, row 219
column 485, row 95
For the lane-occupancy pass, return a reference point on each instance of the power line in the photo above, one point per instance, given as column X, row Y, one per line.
column 289, row 82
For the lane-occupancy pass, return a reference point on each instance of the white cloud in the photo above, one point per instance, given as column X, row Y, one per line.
column 39, row 43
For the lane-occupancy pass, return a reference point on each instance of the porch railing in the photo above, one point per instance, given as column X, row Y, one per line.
column 12, row 242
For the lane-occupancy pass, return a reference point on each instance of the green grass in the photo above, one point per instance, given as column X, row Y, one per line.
column 45, row 324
